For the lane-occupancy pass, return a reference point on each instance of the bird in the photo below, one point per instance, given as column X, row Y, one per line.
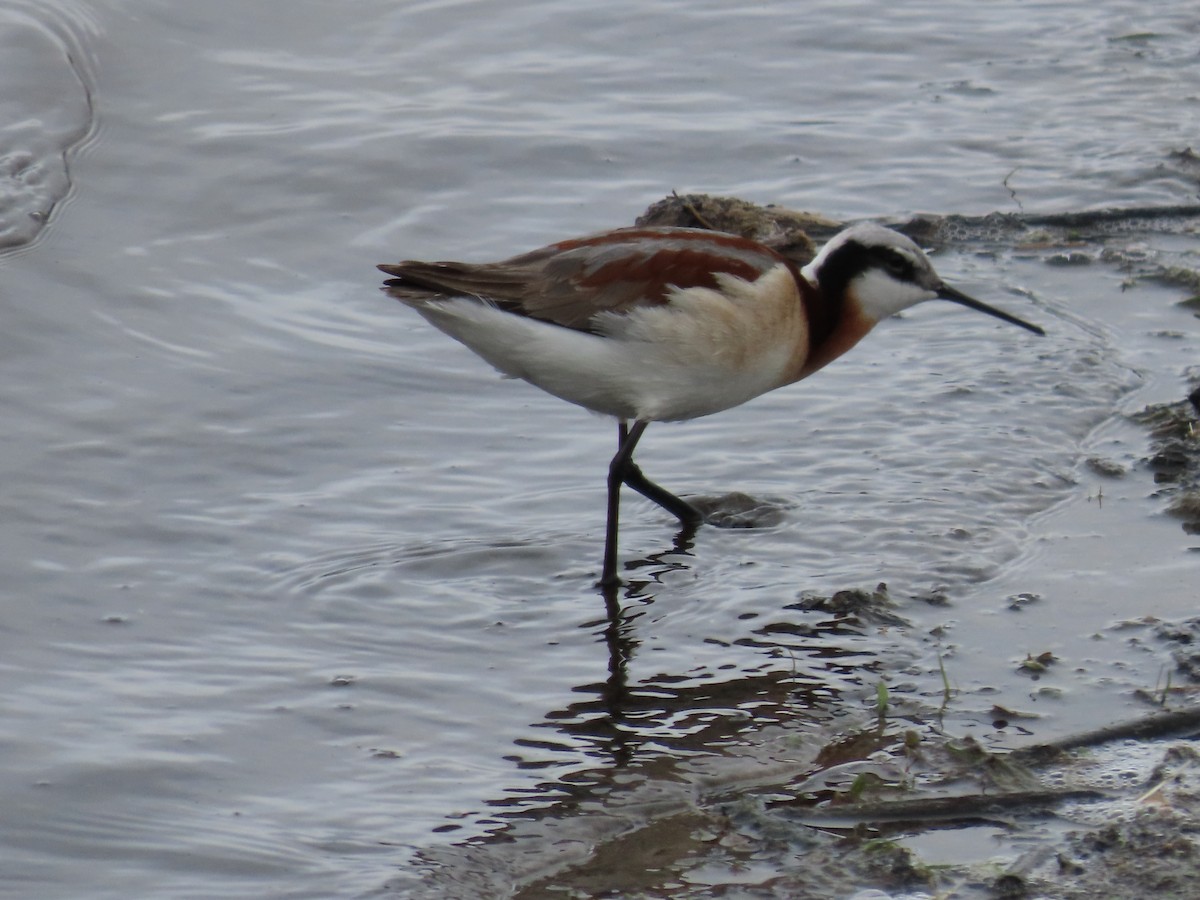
column 663, row 324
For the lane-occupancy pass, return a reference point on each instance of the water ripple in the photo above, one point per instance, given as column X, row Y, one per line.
column 47, row 110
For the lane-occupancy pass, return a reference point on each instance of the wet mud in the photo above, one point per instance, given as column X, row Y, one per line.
column 825, row 806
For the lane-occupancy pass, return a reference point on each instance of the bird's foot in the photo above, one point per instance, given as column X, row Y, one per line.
column 738, row 510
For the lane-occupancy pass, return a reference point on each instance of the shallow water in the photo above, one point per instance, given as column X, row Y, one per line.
column 296, row 589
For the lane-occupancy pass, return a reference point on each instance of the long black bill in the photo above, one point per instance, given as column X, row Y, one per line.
column 945, row 292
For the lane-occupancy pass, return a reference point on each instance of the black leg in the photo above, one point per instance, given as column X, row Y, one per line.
column 679, row 508
column 628, row 438
column 623, row 470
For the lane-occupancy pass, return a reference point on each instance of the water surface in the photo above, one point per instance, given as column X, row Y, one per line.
column 296, row 590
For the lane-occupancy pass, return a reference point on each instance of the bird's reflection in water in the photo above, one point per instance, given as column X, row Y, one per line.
column 624, row 602
column 802, row 659
column 635, row 749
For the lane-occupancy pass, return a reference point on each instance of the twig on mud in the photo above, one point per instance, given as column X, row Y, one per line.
column 1011, row 191
column 1184, row 722
column 926, row 809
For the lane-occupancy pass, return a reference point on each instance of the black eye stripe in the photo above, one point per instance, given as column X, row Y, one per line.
column 894, row 262
column 852, row 258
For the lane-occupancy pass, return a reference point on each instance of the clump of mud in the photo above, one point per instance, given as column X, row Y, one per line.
column 791, row 232
column 1175, row 455
column 1150, row 848
column 786, row 231
column 1184, row 640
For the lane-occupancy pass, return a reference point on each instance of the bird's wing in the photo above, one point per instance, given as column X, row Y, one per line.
column 570, row 282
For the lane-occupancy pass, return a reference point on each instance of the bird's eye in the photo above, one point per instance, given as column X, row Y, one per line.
column 896, row 264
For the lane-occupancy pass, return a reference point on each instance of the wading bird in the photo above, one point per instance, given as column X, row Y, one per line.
column 664, row 324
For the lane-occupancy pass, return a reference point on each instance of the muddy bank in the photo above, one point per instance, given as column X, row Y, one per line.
column 1112, row 813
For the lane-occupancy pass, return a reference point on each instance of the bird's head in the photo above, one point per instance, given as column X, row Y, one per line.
column 884, row 272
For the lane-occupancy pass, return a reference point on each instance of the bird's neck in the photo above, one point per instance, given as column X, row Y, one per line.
column 834, row 326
